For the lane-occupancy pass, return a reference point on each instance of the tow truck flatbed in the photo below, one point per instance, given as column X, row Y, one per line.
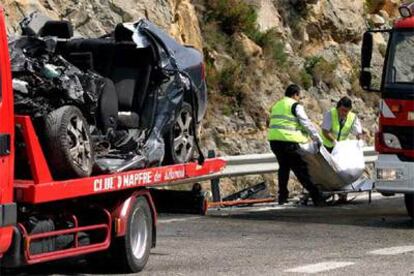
column 31, row 192
column 42, row 188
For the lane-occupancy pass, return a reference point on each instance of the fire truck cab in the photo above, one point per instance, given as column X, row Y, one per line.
column 394, row 141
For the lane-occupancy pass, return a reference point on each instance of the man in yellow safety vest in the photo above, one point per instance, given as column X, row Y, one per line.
column 290, row 126
column 338, row 123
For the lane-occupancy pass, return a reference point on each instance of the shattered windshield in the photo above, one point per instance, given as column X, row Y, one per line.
column 400, row 71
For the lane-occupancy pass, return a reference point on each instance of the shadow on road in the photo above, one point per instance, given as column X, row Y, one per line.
column 68, row 267
column 383, row 213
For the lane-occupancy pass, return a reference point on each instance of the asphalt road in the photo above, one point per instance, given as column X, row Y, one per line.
column 350, row 239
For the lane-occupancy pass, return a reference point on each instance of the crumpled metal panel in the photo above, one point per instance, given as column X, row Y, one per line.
column 51, row 80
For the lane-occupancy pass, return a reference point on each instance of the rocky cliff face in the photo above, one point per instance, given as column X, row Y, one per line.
column 322, row 42
column 96, row 17
column 315, row 43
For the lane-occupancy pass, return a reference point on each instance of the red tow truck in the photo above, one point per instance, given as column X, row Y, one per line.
column 42, row 219
column 395, row 139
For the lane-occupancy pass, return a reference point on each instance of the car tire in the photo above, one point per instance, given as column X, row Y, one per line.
column 180, row 139
column 409, row 204
column 131, row 252
column 68, row 143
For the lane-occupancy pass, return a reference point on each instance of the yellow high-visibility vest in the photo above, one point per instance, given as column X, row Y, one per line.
column 339, row 134
column 284, row 126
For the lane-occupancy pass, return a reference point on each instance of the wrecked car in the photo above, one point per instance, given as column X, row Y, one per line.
column 130, row 99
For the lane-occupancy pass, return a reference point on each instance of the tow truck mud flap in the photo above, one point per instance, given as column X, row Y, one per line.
column 14, row 257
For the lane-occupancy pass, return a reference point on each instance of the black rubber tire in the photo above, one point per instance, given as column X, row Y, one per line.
column 409, row 204
column 171, row 156
column 57, row 143
column 123, row 248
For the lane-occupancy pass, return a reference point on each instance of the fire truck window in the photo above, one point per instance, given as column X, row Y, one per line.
column 402, row 65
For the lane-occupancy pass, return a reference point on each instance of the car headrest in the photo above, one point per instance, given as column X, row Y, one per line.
column 60, row 29
column 122, row 34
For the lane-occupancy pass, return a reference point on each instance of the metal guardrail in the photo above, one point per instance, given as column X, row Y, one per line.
column 251, row 164
column 266, row 163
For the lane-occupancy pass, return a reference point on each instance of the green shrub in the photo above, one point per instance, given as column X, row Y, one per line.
column 299, row 76
column 232, row 15
column 235, row 49
column 230, row 79
column 321, row 69
column 272, row 46
column 373, row 6
column 306, row 79
column 310, row 63
column 277, row 51
column 214, row 38
column 324, row 71
column 227, row 110
column 212, row 76
column 298, row 27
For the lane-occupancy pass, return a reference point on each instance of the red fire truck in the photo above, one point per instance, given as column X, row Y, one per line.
column 42, row 219
column 394, row 140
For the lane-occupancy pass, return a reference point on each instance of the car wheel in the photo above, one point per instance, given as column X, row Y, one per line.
column 131, row 252
column 180, row 140
column 409, row 204
column 68, row 143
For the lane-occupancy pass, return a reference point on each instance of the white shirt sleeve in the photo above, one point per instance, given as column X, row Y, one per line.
column 327, row 121
column 306, row 123
column 356, row 127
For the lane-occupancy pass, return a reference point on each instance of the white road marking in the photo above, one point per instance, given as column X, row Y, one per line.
column 261, row 209
column 319, row 267
column 393, row 250
column 177, row 219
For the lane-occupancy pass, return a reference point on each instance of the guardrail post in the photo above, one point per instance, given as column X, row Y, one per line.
column 215, row 183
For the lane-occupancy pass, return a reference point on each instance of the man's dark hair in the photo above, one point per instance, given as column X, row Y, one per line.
column 345, row 102
column 291, row 90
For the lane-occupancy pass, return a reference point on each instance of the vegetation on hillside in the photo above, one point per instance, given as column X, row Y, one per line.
column 223, row 20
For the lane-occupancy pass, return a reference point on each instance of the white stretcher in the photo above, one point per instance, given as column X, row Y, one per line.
column 327, row 175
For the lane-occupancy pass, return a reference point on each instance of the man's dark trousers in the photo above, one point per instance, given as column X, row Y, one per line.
column 289, row 159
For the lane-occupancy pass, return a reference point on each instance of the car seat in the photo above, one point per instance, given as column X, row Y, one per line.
column 131, row 72
column 107, row 111
column 60, row 29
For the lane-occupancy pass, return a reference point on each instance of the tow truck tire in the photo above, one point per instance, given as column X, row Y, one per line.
column 180, row 139
column 68, row 143
column 409, row 204
column 134, row 248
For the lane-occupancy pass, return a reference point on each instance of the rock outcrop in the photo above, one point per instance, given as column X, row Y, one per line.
column 97, row 17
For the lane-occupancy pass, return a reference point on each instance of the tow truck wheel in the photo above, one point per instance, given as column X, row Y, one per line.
column 134, row 248
column 180, row 140
column 68, row 143
column 409, row 204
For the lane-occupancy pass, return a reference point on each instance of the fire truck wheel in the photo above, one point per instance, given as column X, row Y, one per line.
column 180, row 139
column 409, row 204
column 134, row 248
column 68, row 143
